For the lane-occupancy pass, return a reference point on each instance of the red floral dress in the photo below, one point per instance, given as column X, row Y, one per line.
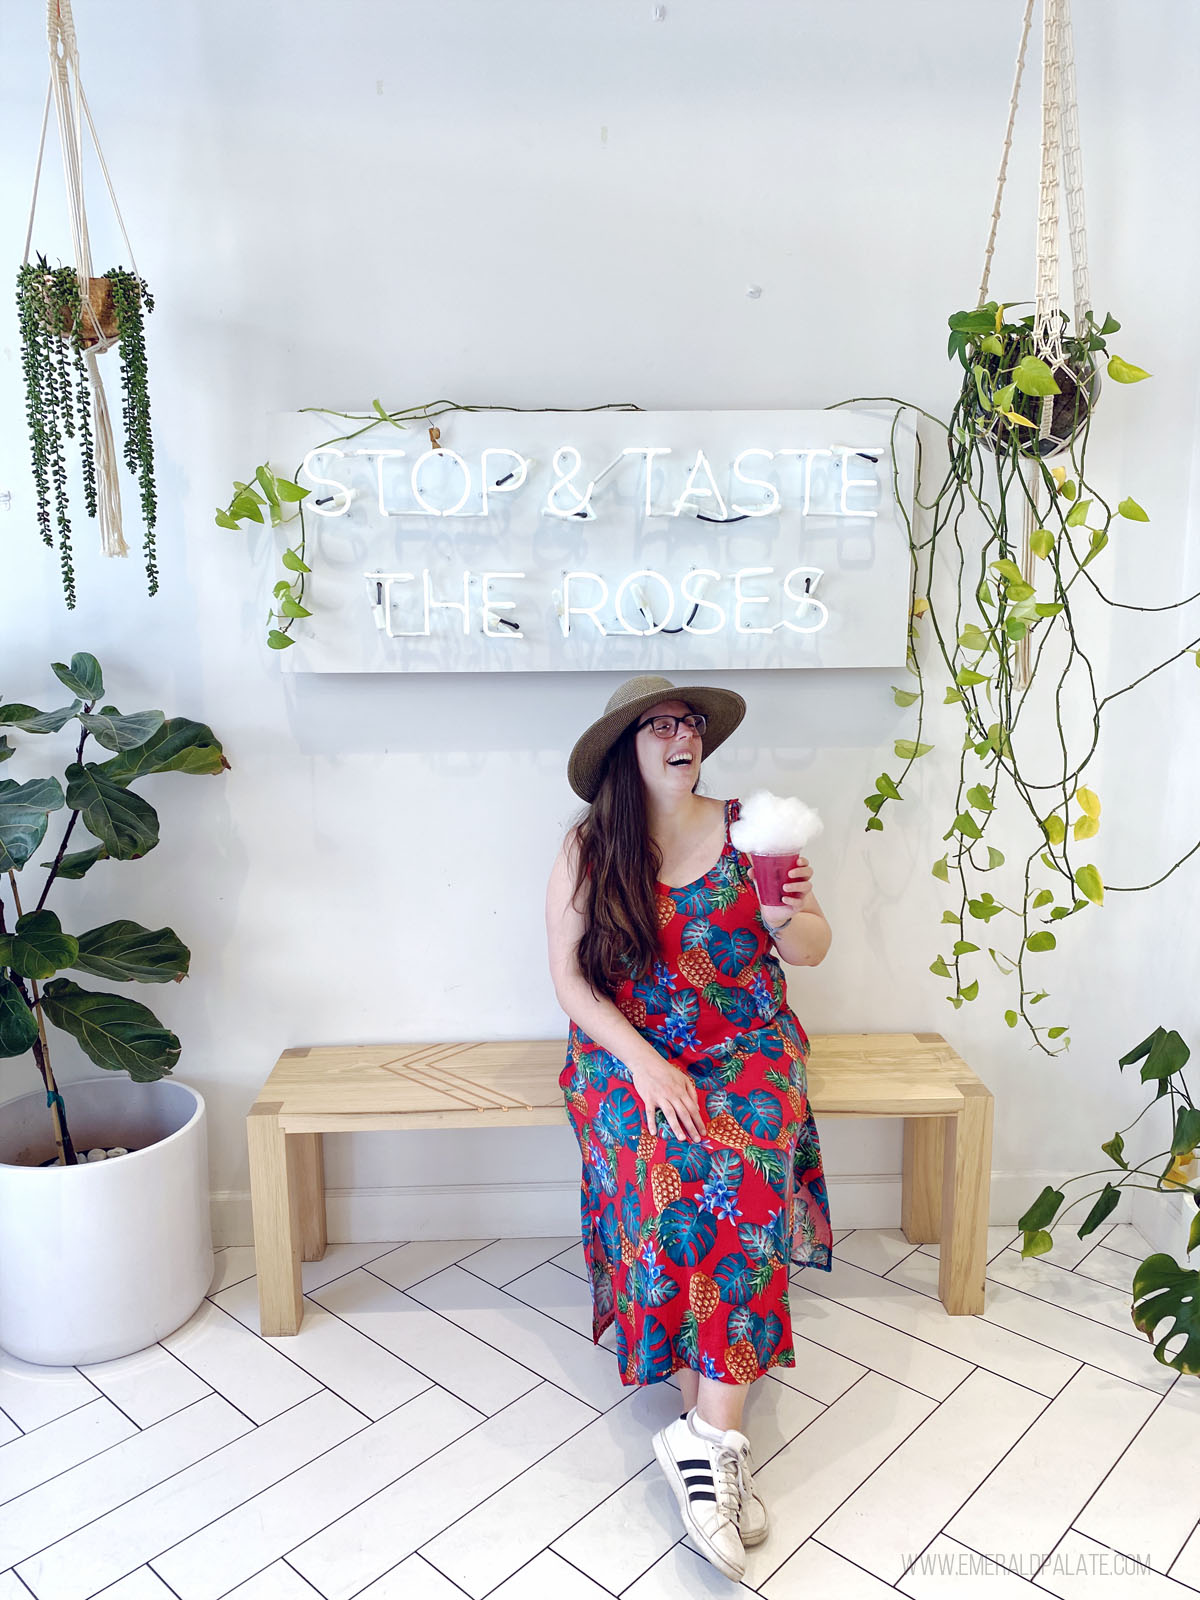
column 687, row 1243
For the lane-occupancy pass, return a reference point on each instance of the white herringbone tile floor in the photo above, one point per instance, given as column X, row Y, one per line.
column 442, row 1426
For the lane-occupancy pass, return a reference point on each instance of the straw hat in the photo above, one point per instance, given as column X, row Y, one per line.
column 723, row 707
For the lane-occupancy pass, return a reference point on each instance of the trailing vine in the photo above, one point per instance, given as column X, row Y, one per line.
column 995, row 471
column 58, row 400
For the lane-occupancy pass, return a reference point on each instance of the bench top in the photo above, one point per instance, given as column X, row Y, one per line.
column 514, row 1082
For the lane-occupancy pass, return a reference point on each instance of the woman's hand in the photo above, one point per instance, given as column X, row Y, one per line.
column 796, row 887
column 659, row 1084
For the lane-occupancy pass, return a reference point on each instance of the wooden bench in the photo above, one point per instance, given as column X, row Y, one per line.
column 947, row 1115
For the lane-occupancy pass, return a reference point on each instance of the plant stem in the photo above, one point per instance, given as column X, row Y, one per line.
column 41, row 1054
column 62, row 849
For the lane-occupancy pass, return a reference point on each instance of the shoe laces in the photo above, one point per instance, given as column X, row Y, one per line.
column 731, row 1478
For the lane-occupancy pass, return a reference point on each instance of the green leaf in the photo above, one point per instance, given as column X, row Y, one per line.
column 266, row 482
column 981, row 321
column 993, row 345
column 1054, row 828
column 939, row 968
column 292, row 561
column 1047, row 608
column 964, row 947
column 30, row 720
column 979, row 797
column 278, row 640
column 1043, row 940
column 1078, row 513
column 954, row 698
column 18, row 1026
column 1032, row 376
column 290, row 490
column 284, row 586
column 291, row 607
column 1167, row 1301
column 950, row 916
column 1011, row 1018
column 83, row 677
column 1130, row 508
column 904, row 697
column 122, row 733
column 24, row 814
column 1042, row 898
column 974, row 639
column 224, row 520
column 77, row 862
column 6, row 749
column 873, row 823
column 1124, row 371
column 1008, row 570
column 1067, row 489
column 965, row 824
column 39, row 948
column 248, row 505
column 123, row 822
column 179, row 745
column 1055, row 1033
column 1041, row 542
column 874, row 801
column 1099, row 540
column 941, row 870
column 1114, row 1149
column 972, row 989
column 1043, row 1210
column 887, row 786
column 126, row 952
column 1111, row 325
column 966, row 678
column 1089, row 883
column 907, row 750
column 1037, row 1243
column 119, row 1034
column 995, row 858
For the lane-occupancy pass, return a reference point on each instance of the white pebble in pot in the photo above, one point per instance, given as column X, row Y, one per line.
column 97, row 1154
column 118, row 1150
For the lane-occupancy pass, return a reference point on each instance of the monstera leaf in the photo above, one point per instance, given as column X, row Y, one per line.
column 24, row 812
column 610, row 1235
column 759, row 1112
column 654, row 1356
column 686, row 1232
column 116, row 1033
column 1163, row 1291
column 689, row 1158
column 731, row 952
column 619, row 1120
column 631, row 1211
column 734, row 1279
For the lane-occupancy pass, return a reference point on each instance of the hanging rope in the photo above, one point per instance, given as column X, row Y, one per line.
column 1008, row 133
column 71, row 107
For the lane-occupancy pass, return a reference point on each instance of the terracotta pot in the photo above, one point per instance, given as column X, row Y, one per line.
column 100, row 299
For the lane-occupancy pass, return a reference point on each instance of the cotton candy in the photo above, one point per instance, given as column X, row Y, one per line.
column 773, row 824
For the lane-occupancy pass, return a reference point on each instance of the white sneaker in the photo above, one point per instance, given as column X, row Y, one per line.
column 753, row 1521
column 705, row 1476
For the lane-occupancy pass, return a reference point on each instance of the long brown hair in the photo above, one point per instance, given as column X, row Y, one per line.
column 617, row 866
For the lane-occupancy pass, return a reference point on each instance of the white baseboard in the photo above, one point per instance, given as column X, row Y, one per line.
column 530, row 1210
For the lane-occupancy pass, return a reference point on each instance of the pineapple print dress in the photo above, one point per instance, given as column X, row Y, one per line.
column 688, row 1243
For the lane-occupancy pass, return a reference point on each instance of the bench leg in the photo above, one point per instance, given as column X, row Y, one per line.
column 966, row 1193
column 274, row 1201
column 921, row 1179
column 306, row 1153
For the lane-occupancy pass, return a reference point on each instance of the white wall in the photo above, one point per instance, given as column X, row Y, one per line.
column 557, row 203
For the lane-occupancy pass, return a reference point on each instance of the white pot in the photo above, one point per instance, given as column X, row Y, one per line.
column 104, row 1258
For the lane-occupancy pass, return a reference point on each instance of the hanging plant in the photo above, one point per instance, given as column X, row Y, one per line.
column 57, row 328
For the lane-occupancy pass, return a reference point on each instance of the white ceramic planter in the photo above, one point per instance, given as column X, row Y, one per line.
column 104, row 1258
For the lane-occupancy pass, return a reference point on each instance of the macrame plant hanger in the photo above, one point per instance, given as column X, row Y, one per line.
column 70, row 106
column 1060, row 151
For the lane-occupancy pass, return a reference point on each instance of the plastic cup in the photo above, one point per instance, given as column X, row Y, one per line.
column 770, row 875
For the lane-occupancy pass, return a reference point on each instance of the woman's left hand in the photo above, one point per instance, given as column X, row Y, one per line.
column 797, row 886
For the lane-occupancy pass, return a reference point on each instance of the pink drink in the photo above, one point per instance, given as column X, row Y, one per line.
column 770, row 875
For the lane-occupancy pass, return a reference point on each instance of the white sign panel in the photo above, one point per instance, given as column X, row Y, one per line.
column 603, row 541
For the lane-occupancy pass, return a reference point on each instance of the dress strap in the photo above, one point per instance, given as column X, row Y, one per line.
column 732, row 812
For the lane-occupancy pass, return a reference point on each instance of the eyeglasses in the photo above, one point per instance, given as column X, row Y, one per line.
column 665, row 726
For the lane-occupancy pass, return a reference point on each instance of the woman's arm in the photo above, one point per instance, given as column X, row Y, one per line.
column 595, row 1014
column 804, row 935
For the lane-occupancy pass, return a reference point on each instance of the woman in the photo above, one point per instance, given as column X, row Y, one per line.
column 686, row 1087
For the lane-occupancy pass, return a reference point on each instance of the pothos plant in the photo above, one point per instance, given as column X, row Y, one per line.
column 57, row 326
column 117, row 1033
column 1164, row 1293
column 997, row 471
column 279, row 494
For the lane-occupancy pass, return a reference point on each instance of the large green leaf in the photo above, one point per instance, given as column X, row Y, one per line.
column 6, row 749
column 121, row 1035
column 18, row 1029
column 123, row 822
column 1163, row 1291
column 39, row 948
column 123, row 733
column 24, row 812
column 83, row 677
column 30, row 720
column 77, row 862
column 178, row 746
column 125, row 952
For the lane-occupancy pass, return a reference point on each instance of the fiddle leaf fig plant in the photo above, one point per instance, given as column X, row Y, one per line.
column 1166, row 1296
column 116, row 1032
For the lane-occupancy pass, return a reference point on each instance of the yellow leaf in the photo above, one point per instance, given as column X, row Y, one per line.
column 1059, row 474
column 1015, row 417
column 1086, row 828
column 1055, row 828
column 1088, row 801
column 920, row 606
